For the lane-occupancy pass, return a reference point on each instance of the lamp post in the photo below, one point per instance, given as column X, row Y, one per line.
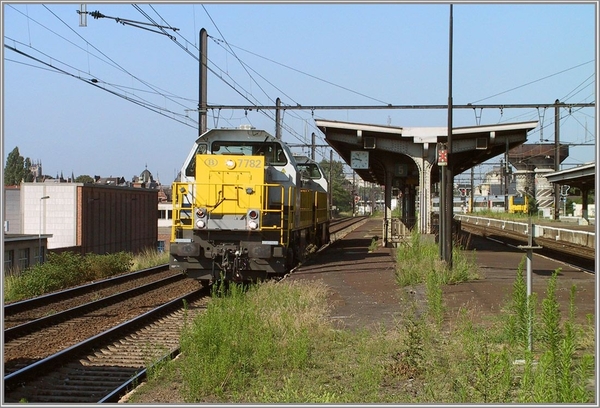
column 40, row 231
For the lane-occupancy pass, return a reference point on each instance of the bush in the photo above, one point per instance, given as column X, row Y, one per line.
column 59, row 272
column 62, row 271
column 103, row 266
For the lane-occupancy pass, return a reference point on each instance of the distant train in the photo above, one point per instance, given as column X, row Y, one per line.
column 516, row 204
column 246, row 208
column 458, row 205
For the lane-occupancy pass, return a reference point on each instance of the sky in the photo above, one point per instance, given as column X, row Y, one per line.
column 111, row 99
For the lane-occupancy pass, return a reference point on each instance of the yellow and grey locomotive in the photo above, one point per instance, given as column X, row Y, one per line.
column 245, row 209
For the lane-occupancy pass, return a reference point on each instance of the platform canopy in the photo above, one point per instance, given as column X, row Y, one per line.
column 582, row 177
column 396, row 149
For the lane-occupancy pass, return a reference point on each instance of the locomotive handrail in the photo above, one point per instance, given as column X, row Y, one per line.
column 279, row 210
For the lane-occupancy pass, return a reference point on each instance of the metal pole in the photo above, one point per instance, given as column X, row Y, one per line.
column 203, row 93
column 556, row 158
column 330, row 185
column 442, row 214
column 472, row 195
column 529, row 248
column 278, row 119
column 354, row 193
column 40, row 257
column 505, row 172
column 529, row 271
column 449, row 177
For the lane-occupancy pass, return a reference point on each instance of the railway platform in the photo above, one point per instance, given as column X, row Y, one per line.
column 362, row 282
column 364, row 293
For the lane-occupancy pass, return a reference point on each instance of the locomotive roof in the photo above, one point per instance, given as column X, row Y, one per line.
column 303, row 159
column 237, row 134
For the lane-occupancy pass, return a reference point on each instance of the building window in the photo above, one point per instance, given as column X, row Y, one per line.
column 36, row 255
column 170, row 214
column 161, row 246
column 9, row 259
column 23, row 258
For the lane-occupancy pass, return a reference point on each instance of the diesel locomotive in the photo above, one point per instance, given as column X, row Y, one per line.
column 245, row 208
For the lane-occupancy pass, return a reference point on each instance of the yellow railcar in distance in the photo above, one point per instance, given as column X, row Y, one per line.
column 518, row 204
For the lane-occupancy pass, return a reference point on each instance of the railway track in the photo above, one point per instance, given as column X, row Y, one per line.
column 37, row 325
column 580, row 257
column 31, row 309
column 80, row 319
column 341, row 226
column 103, row 366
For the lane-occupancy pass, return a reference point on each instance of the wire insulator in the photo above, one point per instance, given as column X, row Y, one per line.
column 96, row 14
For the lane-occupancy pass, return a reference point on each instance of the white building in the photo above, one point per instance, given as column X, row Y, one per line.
column 56, row 214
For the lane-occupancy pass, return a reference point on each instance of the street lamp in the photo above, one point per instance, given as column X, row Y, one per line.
column 40, row 231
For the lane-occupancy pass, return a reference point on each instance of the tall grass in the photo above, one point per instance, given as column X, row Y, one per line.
column 62, row 271
column 149, row 258
column 246, row 332
column 418, row 258
column 518, row 327
column 560, row 375
column 274, row 344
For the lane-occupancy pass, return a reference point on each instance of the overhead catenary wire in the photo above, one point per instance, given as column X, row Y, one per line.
column 94, row 83
column 290, row 107
column 114, row 63
column 308, row 75
column 195, row 56
column 133, row 23
column 246, row 67
column 533, row 82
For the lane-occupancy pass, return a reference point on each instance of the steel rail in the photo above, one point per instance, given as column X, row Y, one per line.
column 46, row 365
column 37, row 324
column 17, row 307
column 560, row 251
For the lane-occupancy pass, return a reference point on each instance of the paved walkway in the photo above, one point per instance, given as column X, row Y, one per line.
column 365, row 293
column 363, row 284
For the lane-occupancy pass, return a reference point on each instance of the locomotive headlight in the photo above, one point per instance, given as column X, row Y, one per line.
column 200, row 218
column 230, row 164
column 249, row 190
column 253, row 219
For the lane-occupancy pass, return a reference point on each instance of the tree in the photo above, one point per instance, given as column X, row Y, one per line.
column 15, row 170
column 341, row 189
column 29, row 176
column 84, row 178
column 532, row 205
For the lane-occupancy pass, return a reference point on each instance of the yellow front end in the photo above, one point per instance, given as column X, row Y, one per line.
column 229, row 194
column 229, row 185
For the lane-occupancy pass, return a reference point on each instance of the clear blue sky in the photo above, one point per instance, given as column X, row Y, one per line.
column 307, row 54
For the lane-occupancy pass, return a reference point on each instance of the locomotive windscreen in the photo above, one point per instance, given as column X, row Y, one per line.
column 272, row 152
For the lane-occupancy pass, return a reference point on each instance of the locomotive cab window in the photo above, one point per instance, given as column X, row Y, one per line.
column 309, row 170
column 519, row 200
column 273, row 152
column 191, row 168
